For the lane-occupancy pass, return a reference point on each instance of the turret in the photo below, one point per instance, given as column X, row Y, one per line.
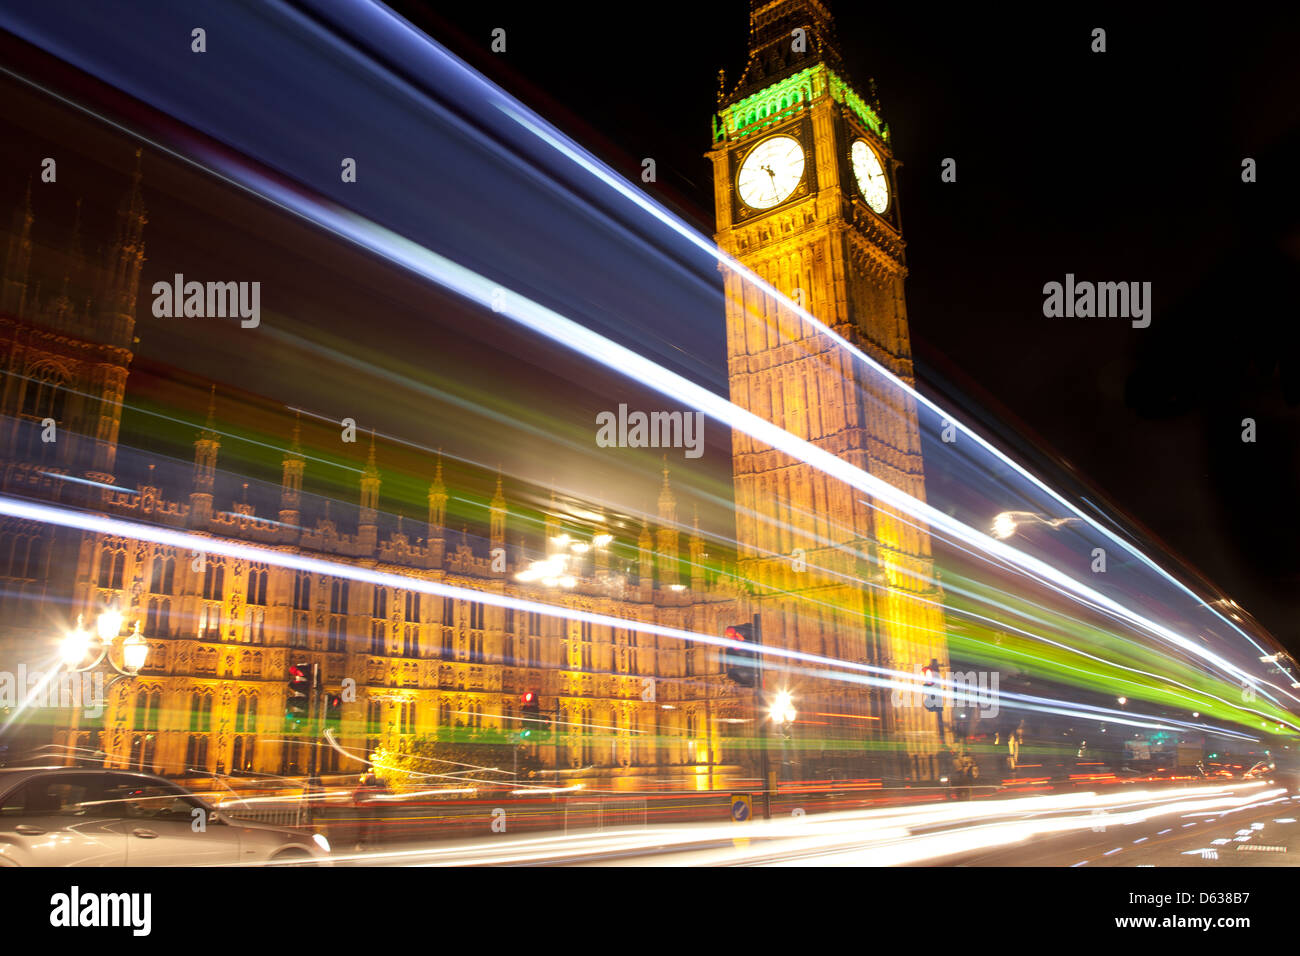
column 497, row 512
column 18, row 258
column 121, row 281
column 206, row 446
column 668, row 537
column 697, row 556
column 292, row 467
column 367, row 529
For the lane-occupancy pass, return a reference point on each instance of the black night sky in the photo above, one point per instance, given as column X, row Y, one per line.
column 1121, row 166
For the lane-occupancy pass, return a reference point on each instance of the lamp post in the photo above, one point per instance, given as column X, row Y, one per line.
column 79, row 644
column 783, row 715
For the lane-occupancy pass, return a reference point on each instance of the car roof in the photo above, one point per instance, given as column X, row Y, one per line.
column 16, row 774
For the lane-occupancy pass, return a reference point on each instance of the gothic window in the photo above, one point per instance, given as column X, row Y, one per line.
column 44, row 394
column 148, row 702
column 476, row 616
column 301, row 591
column 163, row 576
column 22, row 556
column 112, row 565
column 338, row 623
column 257, row 577
column 158, row 619
column 255, row 625
column 246, row 714
column 448, row 612
column 210, row 622
column 143, row 749
column 196, row 752
column 299, row 628
column 214, row 580
column 411, row 629
column 338, row 596
column 200, row 712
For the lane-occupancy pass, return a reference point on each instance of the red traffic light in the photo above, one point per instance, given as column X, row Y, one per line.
column 735, row 634
column 300, row 672
column 528, row 697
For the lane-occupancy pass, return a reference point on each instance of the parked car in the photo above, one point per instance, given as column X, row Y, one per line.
column 71, row 816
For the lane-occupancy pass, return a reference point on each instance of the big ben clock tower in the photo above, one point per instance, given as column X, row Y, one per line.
column 806, row 199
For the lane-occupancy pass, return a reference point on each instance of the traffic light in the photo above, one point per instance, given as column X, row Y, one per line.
column 933, row 696
column 333, row 711
column 302, row 678
column 530, row 706
column 741, row 666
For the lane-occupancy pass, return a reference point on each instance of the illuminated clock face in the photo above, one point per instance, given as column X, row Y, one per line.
column 770, row 172
column 870, row 176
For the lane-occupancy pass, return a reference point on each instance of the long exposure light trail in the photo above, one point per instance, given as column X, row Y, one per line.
column 888, row 835
column 838, row 669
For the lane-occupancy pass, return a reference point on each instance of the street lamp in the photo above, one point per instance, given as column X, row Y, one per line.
column 76, row 645
column 135, row 651
column 109, row 624
column 1006, row 523
column 782, row 709
column 79, row 644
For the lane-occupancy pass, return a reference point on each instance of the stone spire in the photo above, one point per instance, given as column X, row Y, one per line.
column 368, row 530
column 697, row 555
column 497, row 512
column 206, row 447
column 122, row 272
column 61, row 313
column 777, row 51
column 437, row 504
column 668, row 536
column 18, row 258
column 73, row 264
column 292, row 467
column 645, row 556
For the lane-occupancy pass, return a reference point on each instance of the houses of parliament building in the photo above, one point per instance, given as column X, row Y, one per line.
column 805, row 187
